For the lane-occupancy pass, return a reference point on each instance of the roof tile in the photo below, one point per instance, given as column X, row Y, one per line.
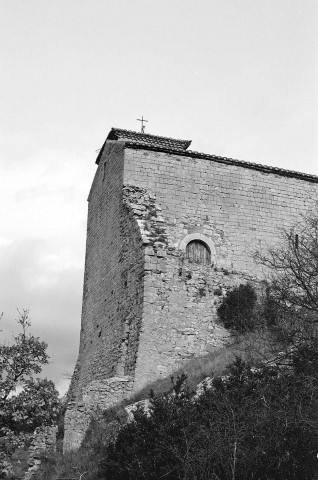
column 147, row 139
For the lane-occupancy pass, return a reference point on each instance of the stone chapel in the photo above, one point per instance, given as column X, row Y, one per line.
column 168, row 230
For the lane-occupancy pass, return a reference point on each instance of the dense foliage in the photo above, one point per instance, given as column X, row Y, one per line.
column 237, row 307
column 252, row 424
column 36, row 405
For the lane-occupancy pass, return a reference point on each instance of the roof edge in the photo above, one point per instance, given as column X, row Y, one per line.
column 149, row 135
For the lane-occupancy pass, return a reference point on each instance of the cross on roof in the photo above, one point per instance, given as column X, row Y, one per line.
column 142, row 120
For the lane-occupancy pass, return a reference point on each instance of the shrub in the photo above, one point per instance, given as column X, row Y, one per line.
column 236, row 310
column 255, row 423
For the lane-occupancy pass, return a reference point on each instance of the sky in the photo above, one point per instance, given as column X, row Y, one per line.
column 237, row 77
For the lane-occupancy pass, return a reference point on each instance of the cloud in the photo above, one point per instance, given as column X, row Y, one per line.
column 33, row 279
column 42, row 250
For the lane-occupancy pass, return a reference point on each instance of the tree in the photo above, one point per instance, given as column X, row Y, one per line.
column 293, row 280
column 22, row 359
column 37, row 403
column 294, row 266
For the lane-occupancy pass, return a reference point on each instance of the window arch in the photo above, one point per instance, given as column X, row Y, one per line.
column 205, row 243
column 198, row 252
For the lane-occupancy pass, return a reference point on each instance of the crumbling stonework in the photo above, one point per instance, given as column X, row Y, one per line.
column 43, row 444
column 96, row 397
column 148, row 307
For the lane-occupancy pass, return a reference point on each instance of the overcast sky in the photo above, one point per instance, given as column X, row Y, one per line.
column 238, row 77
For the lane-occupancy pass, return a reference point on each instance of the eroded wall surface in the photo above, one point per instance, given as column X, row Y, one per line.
column 147, row 309
column 112, row 300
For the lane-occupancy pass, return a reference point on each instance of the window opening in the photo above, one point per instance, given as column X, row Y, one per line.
column 198, row 252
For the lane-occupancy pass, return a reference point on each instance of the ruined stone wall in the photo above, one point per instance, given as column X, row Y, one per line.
column 101, row 327
column 147, row 309
column 96, row 396
column 235, row 210
column 112, row 299
column 42, row 445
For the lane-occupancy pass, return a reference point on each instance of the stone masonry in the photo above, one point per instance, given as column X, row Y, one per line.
column 147, row 307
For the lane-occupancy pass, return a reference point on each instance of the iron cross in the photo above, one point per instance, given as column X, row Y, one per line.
column 142, row 120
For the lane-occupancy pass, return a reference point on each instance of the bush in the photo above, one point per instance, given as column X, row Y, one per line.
column 236, row 310
column 255, row 423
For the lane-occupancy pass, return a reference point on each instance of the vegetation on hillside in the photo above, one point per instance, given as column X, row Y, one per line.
column 252, row 424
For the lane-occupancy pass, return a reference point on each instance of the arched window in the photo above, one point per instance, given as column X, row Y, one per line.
column 199, row 252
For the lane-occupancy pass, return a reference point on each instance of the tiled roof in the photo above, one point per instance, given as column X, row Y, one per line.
column 179, row 147
column 145, row 140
